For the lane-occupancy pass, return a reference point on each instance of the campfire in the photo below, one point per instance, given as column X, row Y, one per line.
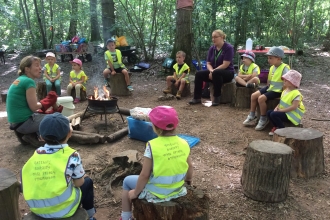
column 105, row 96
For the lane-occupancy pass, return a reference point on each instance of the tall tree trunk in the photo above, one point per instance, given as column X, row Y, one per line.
column 311, row 16
column 44, row 42
column 95, row 30
column 52, row 24
column 108, row 19
column 183, row 36
column 28, row 23
column 23, row 11
column 73, row 21
column 238, row 22
column 43, row 14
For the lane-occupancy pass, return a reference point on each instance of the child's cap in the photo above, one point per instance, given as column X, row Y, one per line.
column 250, row 55
column 77, row 61
column 110, row 40
column 54, row 127
column 293, row 77
column 50, row 54
column 276, row 52
column 164, row 117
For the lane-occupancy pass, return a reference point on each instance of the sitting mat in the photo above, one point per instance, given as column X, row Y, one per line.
column 192, row 141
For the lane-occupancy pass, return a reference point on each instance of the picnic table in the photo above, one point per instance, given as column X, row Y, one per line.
column 289, row 53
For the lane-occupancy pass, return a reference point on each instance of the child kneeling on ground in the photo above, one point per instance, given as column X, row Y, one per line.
column 273, row 89
column 78, row 79
column 291, row 107
column 53, row 179
column 180, row 76
column 248, row 72
column 162, row 177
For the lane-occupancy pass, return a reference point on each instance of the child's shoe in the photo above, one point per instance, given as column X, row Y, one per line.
column 168, row 90
column 261, row 124
column 251, row 85
column 271, row 133
column 178, row 95
column 130, row 88
column 76, row 100
column 249, row 119
column 131, row 218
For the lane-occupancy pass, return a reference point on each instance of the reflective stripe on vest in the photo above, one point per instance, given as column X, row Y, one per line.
column 180, row 72
column 286, row 101
column 119, row 57
column 169, row 155
column 51, row 72
column 76, row 77
column 250, row 69
column 45, row 186
column 276, row 82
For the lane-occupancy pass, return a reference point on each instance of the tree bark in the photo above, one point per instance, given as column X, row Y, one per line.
column 95, row 30
column 73, row 21
column 9, row 193
column 44, row 42
column 51, row 22
column 266, row 171
column 108, row 19
column 243, row 97
column 118, row 134
column 307, row 144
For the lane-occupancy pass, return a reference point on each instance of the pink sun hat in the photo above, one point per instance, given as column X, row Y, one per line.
column 77, row 61
column 164, row 117
column 293, row 77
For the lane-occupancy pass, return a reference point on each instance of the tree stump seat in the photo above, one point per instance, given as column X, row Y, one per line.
column 4, row 95
column 118, row 85
column 266, row 171
column 80, row 214
column 307, row 144
column 83, row 94
column 42, row 91
column 228, row 92
column 193, row 206
column 186, row 90
column 243, row 97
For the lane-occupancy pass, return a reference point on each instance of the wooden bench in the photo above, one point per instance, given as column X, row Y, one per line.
column 228, row 91
column 118, row 85
column 186, row 90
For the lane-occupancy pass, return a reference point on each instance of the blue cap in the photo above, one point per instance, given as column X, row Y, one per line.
column 54, row 127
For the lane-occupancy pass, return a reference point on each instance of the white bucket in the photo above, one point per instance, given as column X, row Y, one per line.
column 68, row 111
column 67, row 103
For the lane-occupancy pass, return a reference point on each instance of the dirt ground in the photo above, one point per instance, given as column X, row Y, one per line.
column 218, row 159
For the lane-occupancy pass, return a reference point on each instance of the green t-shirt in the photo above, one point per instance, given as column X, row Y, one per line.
column 17, row 106
column 115, row 63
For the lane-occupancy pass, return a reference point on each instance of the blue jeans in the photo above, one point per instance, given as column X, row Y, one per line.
column 277, row 118
column 130, row 182
column 49, row 85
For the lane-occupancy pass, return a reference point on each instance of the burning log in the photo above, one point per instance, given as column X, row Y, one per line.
column 87, row 138
column 75, row 123
column 115, row 136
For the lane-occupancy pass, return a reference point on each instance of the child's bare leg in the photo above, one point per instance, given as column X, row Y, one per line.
column 262, row 104
column 169, row 81
column 69, row 89
column 106, row 73
column 126, row 202
column 240, row 81
column 182, row 85
column 124, row 71
column 254, row 101
column 254, row 80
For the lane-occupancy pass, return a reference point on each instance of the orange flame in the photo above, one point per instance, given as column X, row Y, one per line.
column 106, row 92
column 96, row 95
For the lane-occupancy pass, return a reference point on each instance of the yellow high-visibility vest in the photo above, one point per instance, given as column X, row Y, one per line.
column 250, row 69
column 286, row 101
column 180, row 72
column 276, row 82
column 119, row 58
column 52, row 72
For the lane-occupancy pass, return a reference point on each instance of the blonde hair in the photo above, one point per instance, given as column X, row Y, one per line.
column 161, row 132
column 221, row 33
column 182, row 53
column 27, row 62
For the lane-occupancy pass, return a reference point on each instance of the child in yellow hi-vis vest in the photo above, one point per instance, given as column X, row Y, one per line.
column 156, row 184
column 115, row 64
column 52, row 73
column 180, row 76
column 78, row 79
column 291, row 107
column 248, row 71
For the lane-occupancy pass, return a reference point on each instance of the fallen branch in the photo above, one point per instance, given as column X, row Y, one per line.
column 320, row 119
column 102, row 138
column 79, row 114
column 117, row 135
column 124, row 111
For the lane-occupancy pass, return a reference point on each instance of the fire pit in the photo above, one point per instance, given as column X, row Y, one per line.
column 105, row 104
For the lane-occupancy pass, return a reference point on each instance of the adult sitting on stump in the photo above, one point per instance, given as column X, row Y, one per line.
column 220, row 68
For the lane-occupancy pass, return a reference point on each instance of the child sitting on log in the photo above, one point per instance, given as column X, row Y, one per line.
column 78, row 79
column 248, row 72
column 52, row 73
column 115, row 64
column 273, row 89
column 291, row 107
column 53, row 179
column 166, row 166
column 180, row 76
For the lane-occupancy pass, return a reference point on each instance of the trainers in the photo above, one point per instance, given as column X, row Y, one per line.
column 32, row 139
column 249, row 119
column 271, row 133
column 216, row 101
column 178, row 95
column 130, row 88
column 167, row 90
column 261, row 125
column 251, row 85
column 195, row 101
column 76, row 100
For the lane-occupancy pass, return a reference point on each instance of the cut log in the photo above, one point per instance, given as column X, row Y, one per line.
column 266, row 171
column 307, row 144
column 228, row 91
column 78, row 114
column 80, row 214
column 4, row 96
column 84, row 139
column 243, row 97
column 124, row 111
column 186, row 90
column 75, row 123
column 193, row 206
column 9, row 193
column 78, row 134
column 41, row 90
column 118, row 134
column 83, row 94
column 118, row 85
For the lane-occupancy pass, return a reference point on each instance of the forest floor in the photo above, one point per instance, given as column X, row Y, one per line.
column 218, row 158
